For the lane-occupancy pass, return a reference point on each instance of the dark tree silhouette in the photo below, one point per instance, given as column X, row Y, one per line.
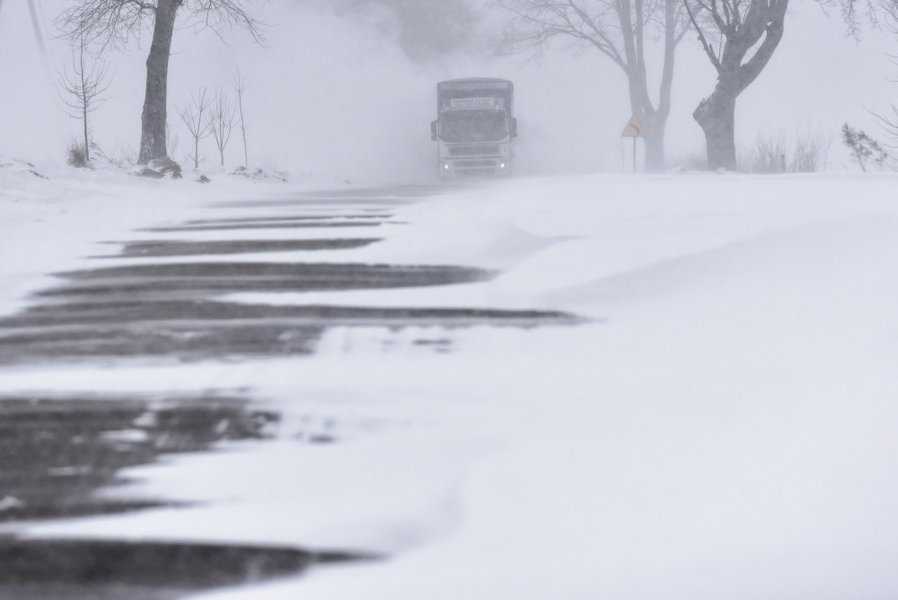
column 739, row 37
column 115, row 22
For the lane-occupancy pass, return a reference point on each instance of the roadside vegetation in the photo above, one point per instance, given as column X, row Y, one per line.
column 641, row 38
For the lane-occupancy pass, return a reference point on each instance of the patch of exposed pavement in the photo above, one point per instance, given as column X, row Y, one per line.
column 253, row 226
column 57, row 451
column 174, row 248
column 58, row 454
column 51, row 569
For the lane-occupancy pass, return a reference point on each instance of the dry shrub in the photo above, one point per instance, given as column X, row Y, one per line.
column 77, row 155
column 768, row 155
column 773, row 154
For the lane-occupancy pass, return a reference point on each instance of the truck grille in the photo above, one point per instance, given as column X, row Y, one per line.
column 473, row 150
column 475, row 164
column 477, row 172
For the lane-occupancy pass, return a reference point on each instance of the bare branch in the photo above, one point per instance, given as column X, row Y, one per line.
column 106, row 22
column 114, row 23
column 712, row 56
column 195, row 116
column 224, row 118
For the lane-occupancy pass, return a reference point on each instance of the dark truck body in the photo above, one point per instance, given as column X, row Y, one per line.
column 475, row 127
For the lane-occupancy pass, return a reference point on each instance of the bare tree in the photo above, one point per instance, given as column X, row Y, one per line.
column 240, row 86
column 115, row 22
column 196, row 117
column 620, row 30
column 739, row 37
column 223, row 120
column 84, row 88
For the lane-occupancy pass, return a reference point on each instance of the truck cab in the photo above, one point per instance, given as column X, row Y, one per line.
column 475, row 127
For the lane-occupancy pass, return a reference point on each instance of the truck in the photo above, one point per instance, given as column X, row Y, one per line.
column 475, row 127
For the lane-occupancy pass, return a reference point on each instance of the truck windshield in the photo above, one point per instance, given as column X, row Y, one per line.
column 473, row 126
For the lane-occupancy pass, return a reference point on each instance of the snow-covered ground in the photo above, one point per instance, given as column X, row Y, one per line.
column 723, row 427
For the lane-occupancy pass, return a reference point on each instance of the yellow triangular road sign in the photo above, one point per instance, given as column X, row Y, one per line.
column 634, row 128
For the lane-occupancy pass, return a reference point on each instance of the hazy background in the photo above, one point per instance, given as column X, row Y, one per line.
column 346, row 89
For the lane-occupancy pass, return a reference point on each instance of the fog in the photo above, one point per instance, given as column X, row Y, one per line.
column 346, row 90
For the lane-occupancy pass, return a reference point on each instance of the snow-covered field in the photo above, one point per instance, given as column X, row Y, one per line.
column 723, row 427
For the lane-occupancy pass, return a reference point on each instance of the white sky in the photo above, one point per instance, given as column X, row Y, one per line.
column 339, row 98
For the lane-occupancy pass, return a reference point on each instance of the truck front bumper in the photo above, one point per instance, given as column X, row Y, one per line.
column 475, row 167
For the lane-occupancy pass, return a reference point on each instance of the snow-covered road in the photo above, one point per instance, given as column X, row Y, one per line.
column 721, row 424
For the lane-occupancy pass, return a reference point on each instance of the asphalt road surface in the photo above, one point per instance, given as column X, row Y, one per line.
column 162, row 303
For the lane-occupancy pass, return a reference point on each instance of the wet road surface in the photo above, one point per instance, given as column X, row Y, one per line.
column 164, row 248
column 59, row 453
column 125, row 570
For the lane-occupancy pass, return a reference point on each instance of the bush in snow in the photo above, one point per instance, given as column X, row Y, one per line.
column 77, row 154
column 768, row 155
column 809, row 154
column 864, row 149
column 773, row 154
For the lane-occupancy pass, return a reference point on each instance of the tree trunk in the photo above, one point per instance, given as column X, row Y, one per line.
column 762, row 21
column 717, row 117
column 152, row 141
column 654, row 120
column 654, row 154
column 653, row 126
column 86, row 136
column 83, row 100
column 654, row 143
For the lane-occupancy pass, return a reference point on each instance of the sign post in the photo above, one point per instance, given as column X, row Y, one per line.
column 634, row 129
